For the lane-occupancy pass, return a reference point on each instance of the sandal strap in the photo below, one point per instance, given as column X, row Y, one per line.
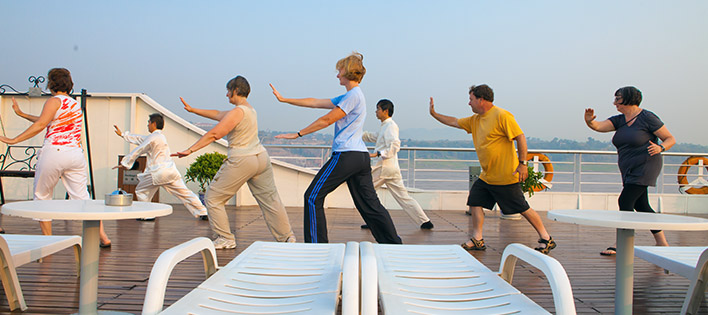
column 549, row 240
column 477, row 243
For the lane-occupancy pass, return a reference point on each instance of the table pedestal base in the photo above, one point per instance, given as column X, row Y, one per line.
column 624, row 271
column 88, row 298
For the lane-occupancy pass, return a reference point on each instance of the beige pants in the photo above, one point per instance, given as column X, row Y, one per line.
column 400, row 193
column 258, row 173
column 146, row 189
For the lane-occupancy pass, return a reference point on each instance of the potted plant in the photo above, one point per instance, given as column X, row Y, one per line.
column 203, row 170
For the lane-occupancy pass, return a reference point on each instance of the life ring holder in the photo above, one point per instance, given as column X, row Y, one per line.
column 547, row 169
column 683, row 180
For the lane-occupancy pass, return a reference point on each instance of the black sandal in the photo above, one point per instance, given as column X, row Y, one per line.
column 476, row 245
column 550, row 244
column 614, row 249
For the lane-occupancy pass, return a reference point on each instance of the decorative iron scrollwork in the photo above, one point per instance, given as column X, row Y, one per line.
column 3, row 86
column 36, row 80
column 35, row 90
column 19, row 158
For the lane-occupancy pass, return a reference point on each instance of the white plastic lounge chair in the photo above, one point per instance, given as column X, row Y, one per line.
column 17, row 250
column 689, row 262
column 266, row 278
column 445, row 279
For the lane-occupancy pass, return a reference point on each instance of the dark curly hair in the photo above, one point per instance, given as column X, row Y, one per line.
column 59, row 80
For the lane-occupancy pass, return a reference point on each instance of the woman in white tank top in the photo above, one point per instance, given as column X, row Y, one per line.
column 61, row 156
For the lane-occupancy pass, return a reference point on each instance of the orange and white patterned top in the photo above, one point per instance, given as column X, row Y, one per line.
column 65, row 128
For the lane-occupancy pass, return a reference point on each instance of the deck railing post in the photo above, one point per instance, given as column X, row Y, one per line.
column 660, row 183
column 411, row 168
column 577, row 172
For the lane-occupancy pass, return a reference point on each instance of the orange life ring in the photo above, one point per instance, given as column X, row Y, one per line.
column 683, row 181
column 547, row 168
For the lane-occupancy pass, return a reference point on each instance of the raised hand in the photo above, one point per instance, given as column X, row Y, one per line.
column 432, row 106
column 276, row 93
column 589, row 115
column 118, row 132
column 16, row 107
column 186, row 106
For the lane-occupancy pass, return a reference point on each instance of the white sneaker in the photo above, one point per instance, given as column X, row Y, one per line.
column 291, row 239
column 223, row 243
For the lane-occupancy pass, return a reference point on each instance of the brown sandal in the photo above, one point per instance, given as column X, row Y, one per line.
column 550, row 244
column 476, row 245
column 609, row 249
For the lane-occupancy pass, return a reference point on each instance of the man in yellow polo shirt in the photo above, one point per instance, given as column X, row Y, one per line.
column 494, row 131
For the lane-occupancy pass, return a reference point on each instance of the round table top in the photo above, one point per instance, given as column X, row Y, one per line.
column 630, row 220
column 83, row 210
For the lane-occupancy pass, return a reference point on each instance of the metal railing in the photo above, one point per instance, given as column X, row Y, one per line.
column 435, row 168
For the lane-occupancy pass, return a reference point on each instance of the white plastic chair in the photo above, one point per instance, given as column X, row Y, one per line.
column 270, row 278
column 445, row 279
column 17, row 250
column 687, row 261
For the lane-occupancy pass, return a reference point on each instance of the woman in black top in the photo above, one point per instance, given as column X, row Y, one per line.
column 637, row 132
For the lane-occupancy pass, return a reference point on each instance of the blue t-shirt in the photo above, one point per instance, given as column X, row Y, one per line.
column 348, row 131
column 632, row 143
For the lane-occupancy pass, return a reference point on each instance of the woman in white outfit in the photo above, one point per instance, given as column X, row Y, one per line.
column 247, row 162
column 61, row 156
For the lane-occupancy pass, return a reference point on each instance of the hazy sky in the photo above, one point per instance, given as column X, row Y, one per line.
column 545, row 60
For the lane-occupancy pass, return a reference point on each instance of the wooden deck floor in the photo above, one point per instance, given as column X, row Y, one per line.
column 51, row 287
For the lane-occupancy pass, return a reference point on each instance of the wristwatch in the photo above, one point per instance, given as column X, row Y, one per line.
column 662, row 148
column 524, row 162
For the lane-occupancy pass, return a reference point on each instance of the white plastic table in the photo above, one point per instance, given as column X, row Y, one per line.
column 91, row 212
column 626, row 222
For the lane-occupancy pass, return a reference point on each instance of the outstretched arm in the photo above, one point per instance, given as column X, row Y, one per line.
column 447, row 120
column 145, row 145
column 226, row 124
column 321, row 123
column 304, row 102
column 206, row 113
column 599, row 126
column 129, row 137
column 48, row 111
column 22, row 114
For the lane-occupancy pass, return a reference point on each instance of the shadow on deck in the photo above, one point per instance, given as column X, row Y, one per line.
column 51, row 287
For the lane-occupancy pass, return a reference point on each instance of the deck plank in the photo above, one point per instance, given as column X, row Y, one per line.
column 51, row 287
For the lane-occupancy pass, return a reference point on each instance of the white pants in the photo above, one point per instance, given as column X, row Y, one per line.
column 400, row 193
column 67, row 163
column 146, row 190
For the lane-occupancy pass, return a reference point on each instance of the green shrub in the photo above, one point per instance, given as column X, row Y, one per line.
column 204, row 168
column 531, row 182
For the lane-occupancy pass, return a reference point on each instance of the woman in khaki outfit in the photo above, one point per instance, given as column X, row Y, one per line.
column 247, row 162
